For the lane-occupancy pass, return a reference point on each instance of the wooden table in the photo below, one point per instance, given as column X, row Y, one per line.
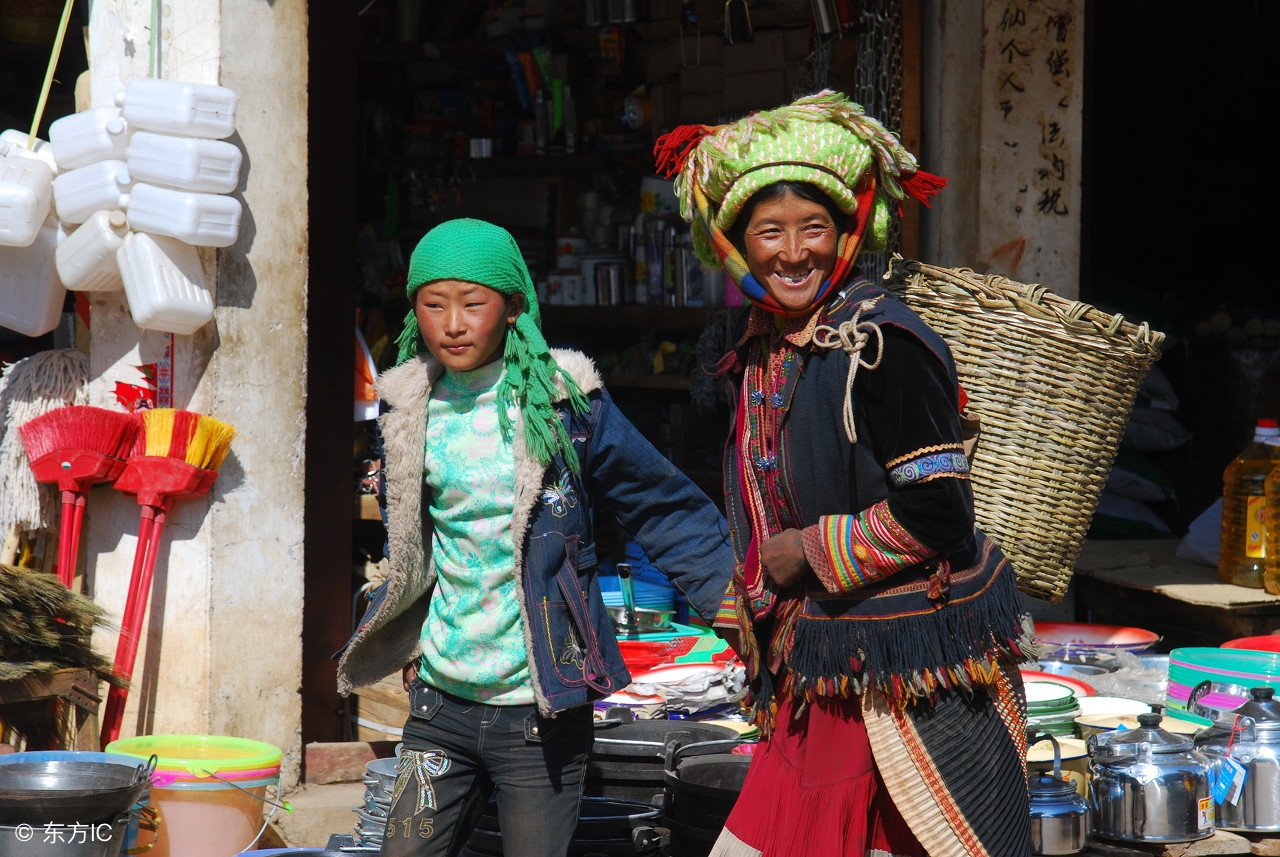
column 1142, row 584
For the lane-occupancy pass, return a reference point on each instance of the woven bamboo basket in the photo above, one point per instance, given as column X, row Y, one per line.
column 1053, row 382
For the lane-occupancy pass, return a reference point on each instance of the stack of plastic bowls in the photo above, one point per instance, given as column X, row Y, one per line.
column 1207, row 683
column 1051, row 708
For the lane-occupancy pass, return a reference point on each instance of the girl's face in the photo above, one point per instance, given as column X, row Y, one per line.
column 464, row 324
column 791, row 248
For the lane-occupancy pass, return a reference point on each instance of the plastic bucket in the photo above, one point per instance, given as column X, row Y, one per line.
column 213, row 791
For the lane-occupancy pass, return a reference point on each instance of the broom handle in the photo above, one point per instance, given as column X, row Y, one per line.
column 131, row 622
column 66, row 562
column 73, row 546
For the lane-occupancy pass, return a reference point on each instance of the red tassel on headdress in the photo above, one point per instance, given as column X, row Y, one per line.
column 922, row 186
column 672, row 149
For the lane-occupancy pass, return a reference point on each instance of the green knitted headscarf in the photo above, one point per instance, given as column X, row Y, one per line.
column 476, row 251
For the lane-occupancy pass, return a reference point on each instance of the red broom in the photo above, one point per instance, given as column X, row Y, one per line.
column 180, row 454
column 77, row 447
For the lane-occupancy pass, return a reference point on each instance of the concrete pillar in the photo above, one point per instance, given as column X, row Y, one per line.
column 1003, row 114
column 222, row 650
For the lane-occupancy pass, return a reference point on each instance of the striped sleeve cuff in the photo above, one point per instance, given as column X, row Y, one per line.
column 727, row 615
column 850, row 552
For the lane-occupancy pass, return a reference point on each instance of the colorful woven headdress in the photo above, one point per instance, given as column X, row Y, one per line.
column 823, row 139
column 477, row 251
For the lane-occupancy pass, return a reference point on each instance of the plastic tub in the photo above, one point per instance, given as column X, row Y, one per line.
column 86, row 259
column 1265, row 643
column 179, row 107
column 102, row 185
column 201, row 219
column 17, row 144
column 189, row 163
column 164, row 282
column 204, row 816
column 31, row 297
column 97, row 134
column 26, row 189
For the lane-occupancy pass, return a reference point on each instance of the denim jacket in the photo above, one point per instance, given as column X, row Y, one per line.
column 574, row 657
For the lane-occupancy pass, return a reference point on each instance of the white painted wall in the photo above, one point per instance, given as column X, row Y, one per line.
column 222, row 651
column 1003, row 106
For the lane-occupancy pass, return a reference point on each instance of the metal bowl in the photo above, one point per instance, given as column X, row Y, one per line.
column 647, row 619
column 1071, row 669
column 65, row 792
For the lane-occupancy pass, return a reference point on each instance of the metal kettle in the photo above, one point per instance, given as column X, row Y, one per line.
column 1149, row 785
column 1250, row 738
column 1059, row 815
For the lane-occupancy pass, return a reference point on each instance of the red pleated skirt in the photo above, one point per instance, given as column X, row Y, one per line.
column 813, row 789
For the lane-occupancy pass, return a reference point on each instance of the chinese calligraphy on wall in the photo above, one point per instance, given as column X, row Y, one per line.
column 1031, row 129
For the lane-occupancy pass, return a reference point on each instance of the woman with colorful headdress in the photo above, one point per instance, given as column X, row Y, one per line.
column 880, row 628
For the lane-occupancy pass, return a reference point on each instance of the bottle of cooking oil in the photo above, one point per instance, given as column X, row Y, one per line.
column 1244, row 541
column 1271, row 509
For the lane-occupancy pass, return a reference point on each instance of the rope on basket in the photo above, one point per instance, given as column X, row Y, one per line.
column 852, row 336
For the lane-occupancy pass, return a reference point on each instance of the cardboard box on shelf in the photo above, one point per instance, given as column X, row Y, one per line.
column 766, row 51
column 664, row 107
column 797, row 43
column 757, row 90
column 703, row 107
column 698, row 79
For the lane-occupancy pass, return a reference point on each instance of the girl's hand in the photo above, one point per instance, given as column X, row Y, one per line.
column 408, row 672
column 782, row 557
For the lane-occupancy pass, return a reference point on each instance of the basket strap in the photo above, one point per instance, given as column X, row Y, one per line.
column 852, row 335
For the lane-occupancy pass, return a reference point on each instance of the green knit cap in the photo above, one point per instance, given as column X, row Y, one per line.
column 476, row 251
column 823, row 139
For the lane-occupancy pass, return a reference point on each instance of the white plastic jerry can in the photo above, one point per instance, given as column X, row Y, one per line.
column 100, row 186
column 178, row 107
column 188, row 163
column 31, row 297
column 202, row 219
column 86, row 259
column 26, row 189
column 164, row 283
column 97, row 134
column 16, row 143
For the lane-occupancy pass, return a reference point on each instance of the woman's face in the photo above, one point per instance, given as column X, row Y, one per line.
column 791, row 248
column 464, row 323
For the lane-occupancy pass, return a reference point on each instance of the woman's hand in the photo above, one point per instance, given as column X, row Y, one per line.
column 782, row 557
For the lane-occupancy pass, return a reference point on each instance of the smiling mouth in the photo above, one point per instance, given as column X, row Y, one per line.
column 794, row 278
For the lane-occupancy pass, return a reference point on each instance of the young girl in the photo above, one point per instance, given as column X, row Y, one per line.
column 495, row 449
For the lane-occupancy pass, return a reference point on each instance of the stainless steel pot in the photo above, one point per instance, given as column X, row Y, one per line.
column 1251, row 739
column 1149, row 785
column 1059, row 815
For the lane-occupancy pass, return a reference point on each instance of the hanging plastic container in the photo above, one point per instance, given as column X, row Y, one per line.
column 31, row 297
column 80, row 139
column 177, row 107
column 188, row 163
column 164, row 283
column 16, row 141
column 208, row 810
column 100, row 186
column 202, row 219
column 86, row 259
column 26, row 189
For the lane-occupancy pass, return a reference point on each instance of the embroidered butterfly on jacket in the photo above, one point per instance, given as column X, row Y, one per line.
column 560, row 495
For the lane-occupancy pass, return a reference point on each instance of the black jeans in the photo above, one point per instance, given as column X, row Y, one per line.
column 457, row 753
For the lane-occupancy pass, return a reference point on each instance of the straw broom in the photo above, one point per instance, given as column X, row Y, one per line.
column 177, row 456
